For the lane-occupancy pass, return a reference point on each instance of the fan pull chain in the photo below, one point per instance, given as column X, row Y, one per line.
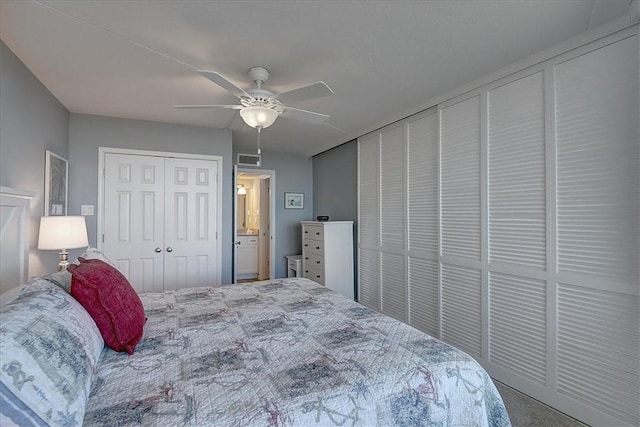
column 259, row 130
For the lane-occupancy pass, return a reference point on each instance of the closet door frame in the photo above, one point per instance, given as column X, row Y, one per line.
column 103, row 151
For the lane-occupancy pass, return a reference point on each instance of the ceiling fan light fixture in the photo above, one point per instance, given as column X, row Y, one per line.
column 258, row 116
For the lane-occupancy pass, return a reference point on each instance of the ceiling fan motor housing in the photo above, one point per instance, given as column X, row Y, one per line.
column 262, row 98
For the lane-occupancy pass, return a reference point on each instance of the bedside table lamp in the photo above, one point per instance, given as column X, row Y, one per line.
column 62, row 233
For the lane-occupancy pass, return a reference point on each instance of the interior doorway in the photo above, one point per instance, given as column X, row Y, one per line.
column 254, row 225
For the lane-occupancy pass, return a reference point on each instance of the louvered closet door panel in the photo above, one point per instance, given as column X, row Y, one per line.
column 422, row 223
column 368, row 183
column 422, row 186
column 518, row 324
column 597, row 137
column 392, row 189
column 424, row 295
column 461, row 308
column 393, row 285
column 460, row 179
column 369, row 278
column 597, row 114
column 517, row 206
column 598, row 361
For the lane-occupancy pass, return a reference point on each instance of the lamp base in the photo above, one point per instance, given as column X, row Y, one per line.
column 64, row 260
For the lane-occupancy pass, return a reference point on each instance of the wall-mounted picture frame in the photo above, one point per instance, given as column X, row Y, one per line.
column 56, row 173
column 294, row 200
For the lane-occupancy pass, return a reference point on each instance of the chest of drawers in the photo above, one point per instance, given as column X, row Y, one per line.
column 327, row 254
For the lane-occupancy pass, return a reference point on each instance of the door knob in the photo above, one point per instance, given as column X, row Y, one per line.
column 169, row 249
column 158, row 250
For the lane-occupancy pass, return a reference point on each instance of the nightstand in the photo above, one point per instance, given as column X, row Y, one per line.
column 294, row 265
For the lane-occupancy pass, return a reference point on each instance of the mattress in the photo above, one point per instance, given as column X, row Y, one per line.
column 286, row 352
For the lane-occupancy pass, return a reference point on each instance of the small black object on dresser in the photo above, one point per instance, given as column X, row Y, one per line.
column 322, row 218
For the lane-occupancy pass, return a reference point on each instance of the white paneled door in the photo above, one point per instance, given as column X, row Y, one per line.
column 160, row 220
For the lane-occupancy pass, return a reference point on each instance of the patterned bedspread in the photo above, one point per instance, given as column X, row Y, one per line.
column 286, row 352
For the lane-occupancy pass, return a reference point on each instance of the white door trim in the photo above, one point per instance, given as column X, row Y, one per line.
column 272, row 215
column 103, row 151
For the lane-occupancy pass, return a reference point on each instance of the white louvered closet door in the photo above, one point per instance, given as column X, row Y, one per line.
column 508, row 225
column 517, row 228
column 460, row 206
column 368, row 220
column 598, row 229
column 393, row 283
column 422, row 223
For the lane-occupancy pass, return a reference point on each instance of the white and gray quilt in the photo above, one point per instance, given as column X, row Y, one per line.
column 286, row 352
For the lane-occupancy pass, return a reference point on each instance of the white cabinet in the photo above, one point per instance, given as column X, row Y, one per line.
column 247, row 257
column 327, row 254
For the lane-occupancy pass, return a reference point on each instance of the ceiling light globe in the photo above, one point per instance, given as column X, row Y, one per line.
column 258, row 116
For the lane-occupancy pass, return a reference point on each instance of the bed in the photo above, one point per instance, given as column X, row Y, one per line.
column 269, row 353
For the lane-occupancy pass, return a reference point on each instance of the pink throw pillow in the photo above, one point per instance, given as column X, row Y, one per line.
column 111, row 301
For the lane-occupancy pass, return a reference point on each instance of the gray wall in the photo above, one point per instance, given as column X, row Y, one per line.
column 87, row 133
column 294, row 174
column 335, row 183
column 31, row 121
column 335, row 189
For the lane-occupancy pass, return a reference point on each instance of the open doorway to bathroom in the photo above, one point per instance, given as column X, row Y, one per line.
column 254, row 242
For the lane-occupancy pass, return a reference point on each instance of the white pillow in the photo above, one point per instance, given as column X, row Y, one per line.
column 50, row 350
column 94, row 253
column 8, row 296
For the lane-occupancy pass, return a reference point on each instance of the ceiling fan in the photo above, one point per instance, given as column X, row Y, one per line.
column 259, row 108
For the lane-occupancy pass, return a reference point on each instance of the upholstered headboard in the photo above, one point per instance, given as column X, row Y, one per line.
column 14, row 237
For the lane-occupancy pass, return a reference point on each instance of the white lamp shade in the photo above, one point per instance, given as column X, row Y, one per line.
column 258, row 116
column 62, row 232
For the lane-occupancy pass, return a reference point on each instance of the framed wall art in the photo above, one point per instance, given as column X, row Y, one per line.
column 294, row 200
column 55, row 184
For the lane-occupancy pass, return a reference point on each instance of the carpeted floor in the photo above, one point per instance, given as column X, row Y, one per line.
column 527, row 412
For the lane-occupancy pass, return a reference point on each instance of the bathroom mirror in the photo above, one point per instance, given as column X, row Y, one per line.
column 241, row 220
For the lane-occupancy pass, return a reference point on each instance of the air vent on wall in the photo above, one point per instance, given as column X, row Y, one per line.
column 248, row 159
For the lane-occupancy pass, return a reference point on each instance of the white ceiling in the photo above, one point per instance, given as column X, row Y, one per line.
column 136, row 59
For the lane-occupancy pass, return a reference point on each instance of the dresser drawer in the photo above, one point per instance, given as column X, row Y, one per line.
column 311, row 260
column 315, row 232
column 314, row 246
column 314, row 274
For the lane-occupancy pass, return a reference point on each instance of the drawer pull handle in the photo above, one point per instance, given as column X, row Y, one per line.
column 317, row 262
column 305, row 245
column 306, row 271
column 306, row 232
column 317, row 247
column 306, row 257
column 317, row 233
column 317, row 277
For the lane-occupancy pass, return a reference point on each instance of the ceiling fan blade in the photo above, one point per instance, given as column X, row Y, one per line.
column 304, row 115
column 304, row 93
column 231, row 107
column 224, row 83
